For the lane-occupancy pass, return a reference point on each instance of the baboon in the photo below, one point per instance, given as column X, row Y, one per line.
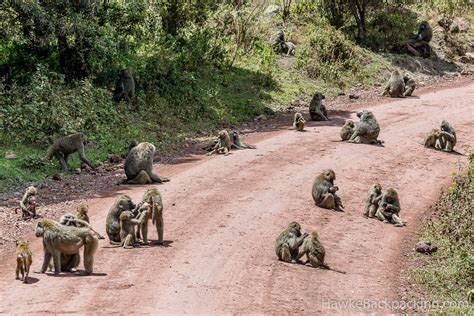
column 154, row 204
column 112, row 224
column 24, row 258
column 68, row 240
column 62, row 147
column 395, row 87
column 139, row 165
column 5, row 72
column 317, row 110
column 347, row 130
column 315, row 252
column 443, row 139
column 373, row 200
column 419, row 44
column 124, row 87
column 367, row 130
column 288, row 48
column 389, row 210
column 223, row 144
column 277, row 40
column 28, row 203
column 432, row 140
column 69, row 219
column 324, row 191
column 288, row 242
column 236, row 141
column 298, row 122
column 127, row 228
column 82, row 213
column 410, row 86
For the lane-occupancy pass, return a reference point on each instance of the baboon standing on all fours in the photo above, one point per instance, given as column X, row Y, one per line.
column 324, row 191
column 395, row 87
column 24, row 259
column 389, row 209
column 62, row 147
column 373, row 200
column 367, row 130
column 288, row 243
column 112, row 223
column 124, row 87
column 138, row 165
column 59, row 239
column 317, row 110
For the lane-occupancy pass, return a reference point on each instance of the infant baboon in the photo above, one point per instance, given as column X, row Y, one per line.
column 223, row 144
column 28, row 203
column 347, row 130
column 288, row 242
column 82, row 213
column 389, row 209
column 112, row 224
column 152, row 203
column 58, row 239
column 24, row 258
column 236, row 141
column 64, row 146
column 367, row 130
column 410, row 86
column 127, row 228
column 395, row 87
column 298, row 122
column 317, row 110
column 124, row 87
column 139, row 165
column 324, row 191
column 373, row 200
column 315, row 252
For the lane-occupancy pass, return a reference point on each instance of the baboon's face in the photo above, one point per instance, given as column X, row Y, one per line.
column 329, row 175
column 320, row 96
column 39, row 230
column 377, row 188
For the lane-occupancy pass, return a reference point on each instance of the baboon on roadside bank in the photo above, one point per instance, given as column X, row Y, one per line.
column 389, row 209
column 324, row 191
column 138, row 165
column 68, row 240
column 28, row 203
column 124, row 87
column 419, row 44
column 373, row 200
column 62, row 147
column 410, row 86
column 298, row 122
column 24, row 258
column 112, row 223
column 315, row 252
column 367, row 130
column 223, row 144
column 152, row 203
column 288, row 242
column 347, row 130
column 317, row 110
column 395, row 87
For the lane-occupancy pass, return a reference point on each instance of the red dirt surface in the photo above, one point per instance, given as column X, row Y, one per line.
column 222, row 215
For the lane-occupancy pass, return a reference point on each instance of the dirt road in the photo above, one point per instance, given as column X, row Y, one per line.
column 222, row 215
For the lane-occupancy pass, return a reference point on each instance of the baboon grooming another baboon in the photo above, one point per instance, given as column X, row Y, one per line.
column 288, row 242
column 315, row 252
column 324, row 191
column 279, row 45
column 28, row 203
column 24, row 258
column 223, row 144
column 139, row 165
column 389, row 209
column 298, row 122
column 127, row 228
column 443, row 139
column 395, row 87
column 112, row 224
column 62, row 147
column 317, row 110
column 124, row 87
column 347, row 130
column 152, row 203
column 59, row 239
column 367, row 130
column 410, row 86
column 69, row 219
column 373, row 200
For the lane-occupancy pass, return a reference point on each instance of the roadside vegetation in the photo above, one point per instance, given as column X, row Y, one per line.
column 448, row 274
column 197, row 65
